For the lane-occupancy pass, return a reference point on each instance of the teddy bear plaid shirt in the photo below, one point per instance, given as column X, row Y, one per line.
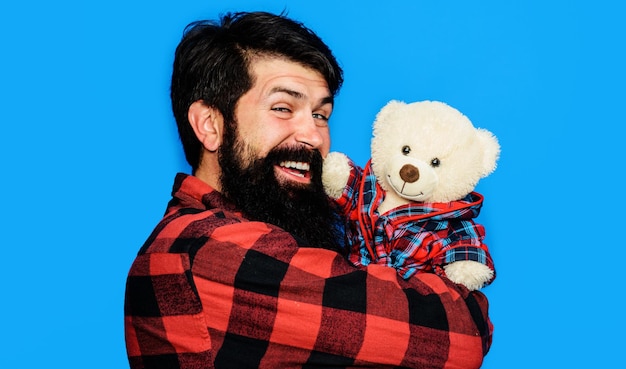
column 212, row 289
column 416, row 237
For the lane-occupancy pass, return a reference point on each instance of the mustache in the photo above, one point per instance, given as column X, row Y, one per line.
column 299, row 154
column 302, row 154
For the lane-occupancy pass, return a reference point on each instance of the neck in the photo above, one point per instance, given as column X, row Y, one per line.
column 209, row 172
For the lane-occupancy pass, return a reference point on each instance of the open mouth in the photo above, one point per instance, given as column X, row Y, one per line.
column 296, row 168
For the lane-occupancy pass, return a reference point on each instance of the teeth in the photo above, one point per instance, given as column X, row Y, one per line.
column 295, row 165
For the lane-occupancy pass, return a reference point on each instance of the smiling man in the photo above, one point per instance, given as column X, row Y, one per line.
column 245, row 269
column 268, row 161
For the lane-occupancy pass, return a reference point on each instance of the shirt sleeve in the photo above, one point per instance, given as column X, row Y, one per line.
column 164, row 321
column 348, row 200
column 248, row 295
column 286, row 300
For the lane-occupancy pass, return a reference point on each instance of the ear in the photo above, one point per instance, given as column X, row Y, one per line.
column 491, row 150
column 207, row 123
column 389, row 109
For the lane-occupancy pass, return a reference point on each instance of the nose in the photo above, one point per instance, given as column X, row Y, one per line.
column 409, row 173
column 309, row 133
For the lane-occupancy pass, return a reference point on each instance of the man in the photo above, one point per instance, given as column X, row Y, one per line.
column 244, row 269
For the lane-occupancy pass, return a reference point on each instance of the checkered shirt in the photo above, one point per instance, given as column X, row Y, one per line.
column 212, row 289
column 416, row 237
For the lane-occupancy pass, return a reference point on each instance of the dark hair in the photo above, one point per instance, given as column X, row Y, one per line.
column 212, row 63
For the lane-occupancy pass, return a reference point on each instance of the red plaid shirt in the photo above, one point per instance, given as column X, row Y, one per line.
column 212, row 289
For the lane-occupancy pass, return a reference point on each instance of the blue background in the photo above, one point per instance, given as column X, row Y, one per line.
column 88, row 152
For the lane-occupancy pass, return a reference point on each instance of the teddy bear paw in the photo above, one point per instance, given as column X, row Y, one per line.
column 335, row 174
column 471, row 274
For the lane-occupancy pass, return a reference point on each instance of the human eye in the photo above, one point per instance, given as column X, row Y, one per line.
column 321, row 120
column 281, row 109
column 320, row 116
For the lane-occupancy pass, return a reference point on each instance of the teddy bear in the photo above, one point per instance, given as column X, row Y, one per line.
column 412, row 207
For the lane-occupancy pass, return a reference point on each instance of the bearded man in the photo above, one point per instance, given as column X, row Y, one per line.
column 243, row 271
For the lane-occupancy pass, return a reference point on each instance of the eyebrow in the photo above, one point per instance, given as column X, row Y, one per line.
column 299, row 95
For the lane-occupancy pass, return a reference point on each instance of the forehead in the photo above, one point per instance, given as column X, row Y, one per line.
column 267, row 72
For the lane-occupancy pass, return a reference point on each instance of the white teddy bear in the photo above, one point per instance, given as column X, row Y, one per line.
column 412, row 206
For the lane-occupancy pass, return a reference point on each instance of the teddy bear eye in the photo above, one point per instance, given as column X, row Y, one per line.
column 406, row 150
column 435, row 163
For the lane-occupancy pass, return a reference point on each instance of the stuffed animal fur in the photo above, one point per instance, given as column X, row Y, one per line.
column 413, row 206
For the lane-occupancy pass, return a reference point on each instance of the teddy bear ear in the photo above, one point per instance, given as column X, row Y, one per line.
column 491, row 150
column 389, row 109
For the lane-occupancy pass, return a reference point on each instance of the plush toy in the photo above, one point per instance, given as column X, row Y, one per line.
column 413, row 205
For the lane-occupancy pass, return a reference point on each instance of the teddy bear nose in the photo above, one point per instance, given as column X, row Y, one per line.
column 409, row 173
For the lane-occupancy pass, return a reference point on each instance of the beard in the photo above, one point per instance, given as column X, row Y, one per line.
column 304, row 210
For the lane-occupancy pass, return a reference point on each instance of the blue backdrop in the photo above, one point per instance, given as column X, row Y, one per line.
column 88, row 152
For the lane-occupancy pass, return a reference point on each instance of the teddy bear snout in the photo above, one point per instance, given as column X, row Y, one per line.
column 409, row 173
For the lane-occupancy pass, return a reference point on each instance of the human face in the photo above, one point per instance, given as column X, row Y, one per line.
column 287, row 107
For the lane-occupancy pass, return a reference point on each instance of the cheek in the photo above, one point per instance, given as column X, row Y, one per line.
column 325, row 146
column 263, row 144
